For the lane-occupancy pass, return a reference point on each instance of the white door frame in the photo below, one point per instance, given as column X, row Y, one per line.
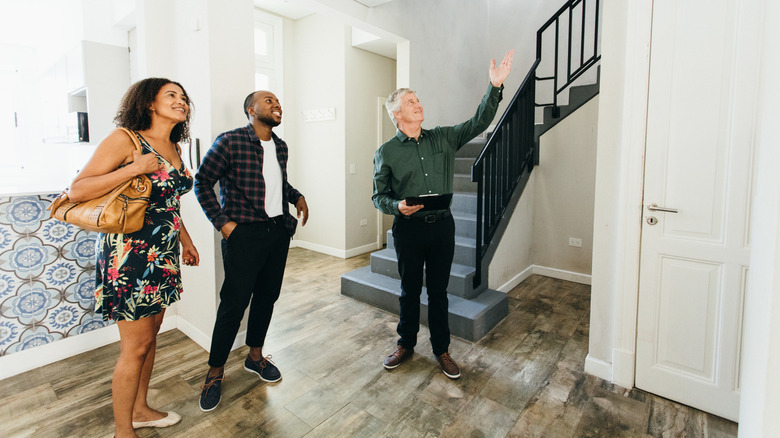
column 620, row 274
column 380, row 220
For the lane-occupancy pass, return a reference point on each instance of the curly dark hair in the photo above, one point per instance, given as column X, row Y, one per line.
column 133, row 112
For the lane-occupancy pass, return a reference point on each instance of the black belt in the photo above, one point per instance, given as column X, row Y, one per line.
column 429, row 218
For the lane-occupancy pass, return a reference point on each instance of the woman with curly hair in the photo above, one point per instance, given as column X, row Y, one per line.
column 138, row 274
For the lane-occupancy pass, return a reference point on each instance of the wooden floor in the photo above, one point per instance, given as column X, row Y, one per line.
column 524, row 379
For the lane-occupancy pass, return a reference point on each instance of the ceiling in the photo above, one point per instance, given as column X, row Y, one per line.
column 294, row 10
column 372, row 3
column 291, row 10
column 361, row 39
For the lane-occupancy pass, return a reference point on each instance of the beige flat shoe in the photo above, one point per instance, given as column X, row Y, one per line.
column 169, row 420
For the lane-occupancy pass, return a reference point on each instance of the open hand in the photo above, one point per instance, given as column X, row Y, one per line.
column 499, row 74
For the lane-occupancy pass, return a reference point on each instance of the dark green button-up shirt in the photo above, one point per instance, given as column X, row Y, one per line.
column 406, row 167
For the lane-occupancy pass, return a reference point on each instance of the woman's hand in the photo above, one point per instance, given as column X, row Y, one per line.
column 189, row 255
column 145, row 163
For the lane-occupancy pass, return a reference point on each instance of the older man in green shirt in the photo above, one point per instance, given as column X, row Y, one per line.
column 417, row 162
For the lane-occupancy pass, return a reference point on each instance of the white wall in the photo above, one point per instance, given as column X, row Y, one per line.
column 215, row 64
column 565, row 191
column 557, row 203
column 327, row 72
column 368, row 76
column 760, row 382
column 36, row 37
column 318, row 151
column 446, row 78
column 513, row 259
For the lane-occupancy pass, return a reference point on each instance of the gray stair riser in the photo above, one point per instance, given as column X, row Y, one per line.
column 462, row 183
column 463, row 165
column 468, row 319
column 464, row 254
column 578, row 95
column 472, row 148
column 461, row 285
column 466, row 226
column 465, row 203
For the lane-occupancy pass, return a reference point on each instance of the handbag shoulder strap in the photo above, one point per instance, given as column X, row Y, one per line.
column 134, row 138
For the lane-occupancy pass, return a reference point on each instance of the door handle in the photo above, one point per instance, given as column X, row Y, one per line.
column 197, row 152
column 189, row 152
column 655, row 207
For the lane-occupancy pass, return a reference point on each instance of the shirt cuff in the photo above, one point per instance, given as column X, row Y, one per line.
column 220, row 222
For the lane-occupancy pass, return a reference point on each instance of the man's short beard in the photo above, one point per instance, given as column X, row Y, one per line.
column 269, row 120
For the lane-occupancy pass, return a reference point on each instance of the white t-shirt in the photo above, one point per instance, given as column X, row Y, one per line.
column 272, row 174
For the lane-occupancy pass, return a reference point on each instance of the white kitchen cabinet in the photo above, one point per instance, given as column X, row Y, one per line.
column 91, row 78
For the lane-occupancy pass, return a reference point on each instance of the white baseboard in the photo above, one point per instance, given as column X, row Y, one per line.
column 344, row 254
column 200, row 338
column 22, row 361
column 204, row 339
column 547, row 272
column 320, row 248
column 517, row 279
column 560, row 274
column 361, row 250
column 598, row 368
column 623, row 366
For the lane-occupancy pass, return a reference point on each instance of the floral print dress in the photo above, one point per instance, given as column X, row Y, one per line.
column 138, row 273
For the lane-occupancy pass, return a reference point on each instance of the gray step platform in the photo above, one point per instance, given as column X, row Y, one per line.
column 465, row 248
column 384, row 262
column 469, row 319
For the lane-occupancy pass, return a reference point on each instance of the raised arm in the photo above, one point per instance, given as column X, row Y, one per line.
column 499, row 73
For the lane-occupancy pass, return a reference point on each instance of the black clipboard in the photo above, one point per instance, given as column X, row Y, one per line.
column 431, row 202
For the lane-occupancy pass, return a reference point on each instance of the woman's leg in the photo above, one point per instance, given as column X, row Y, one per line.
column 136, row 338
column 141, row 409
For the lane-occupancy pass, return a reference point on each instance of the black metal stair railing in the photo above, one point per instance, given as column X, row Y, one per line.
column 506, row 161
column 574, row 69
column 507, row 157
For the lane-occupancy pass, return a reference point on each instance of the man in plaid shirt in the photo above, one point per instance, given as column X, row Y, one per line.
column 250, row 164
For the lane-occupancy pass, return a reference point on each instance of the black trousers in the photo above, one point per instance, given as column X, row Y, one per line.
column 254, row 257
column 431, row 245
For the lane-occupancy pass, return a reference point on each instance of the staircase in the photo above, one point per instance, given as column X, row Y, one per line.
column 473, row 311
column 490, row 175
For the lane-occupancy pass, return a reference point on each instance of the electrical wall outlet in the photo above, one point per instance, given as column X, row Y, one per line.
column 573, row 241
column 363, row 222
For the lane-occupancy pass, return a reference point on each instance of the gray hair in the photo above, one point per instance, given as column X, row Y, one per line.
column 393, row 103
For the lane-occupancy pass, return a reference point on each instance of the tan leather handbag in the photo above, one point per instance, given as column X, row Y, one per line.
column 121, row 210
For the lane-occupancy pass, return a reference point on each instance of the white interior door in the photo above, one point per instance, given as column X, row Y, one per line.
column 694, row 261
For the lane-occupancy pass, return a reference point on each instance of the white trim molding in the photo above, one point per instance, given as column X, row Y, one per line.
column 23, row 361
column 559, row 274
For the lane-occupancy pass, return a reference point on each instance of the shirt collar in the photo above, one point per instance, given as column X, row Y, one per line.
column 403, row 137
column 253, row 136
